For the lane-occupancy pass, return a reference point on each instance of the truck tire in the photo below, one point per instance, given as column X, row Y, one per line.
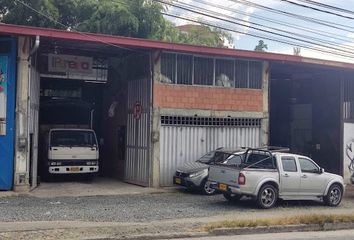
column 267, row 196
column 206, row 189
column 232, row 197
column 334, row 195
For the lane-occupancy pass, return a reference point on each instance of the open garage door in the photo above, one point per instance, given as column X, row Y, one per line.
column 137, row 166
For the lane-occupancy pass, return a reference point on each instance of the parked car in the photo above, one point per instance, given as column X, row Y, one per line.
column 268, row 175
column 195, row 174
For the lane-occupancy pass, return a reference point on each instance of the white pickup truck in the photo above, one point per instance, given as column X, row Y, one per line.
column 267, row 175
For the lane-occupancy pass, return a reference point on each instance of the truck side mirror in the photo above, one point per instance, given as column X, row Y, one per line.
column 322, row 170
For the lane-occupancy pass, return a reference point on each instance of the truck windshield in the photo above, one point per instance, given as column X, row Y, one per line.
column 72, row 138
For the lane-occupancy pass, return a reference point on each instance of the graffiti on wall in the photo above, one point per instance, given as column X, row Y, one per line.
column 348, row 150
column 3, row 94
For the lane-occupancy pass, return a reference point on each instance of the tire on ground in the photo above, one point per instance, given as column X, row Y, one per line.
column 267, row 196
column 334, row 195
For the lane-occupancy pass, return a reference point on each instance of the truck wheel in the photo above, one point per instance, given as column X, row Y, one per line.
column 267, row 196
column 232, row 197
column 334, row 195
column 206, row 189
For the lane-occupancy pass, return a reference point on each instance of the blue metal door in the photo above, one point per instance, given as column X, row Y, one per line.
column 7, row 111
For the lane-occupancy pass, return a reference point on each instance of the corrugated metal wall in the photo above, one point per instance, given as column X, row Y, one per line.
column 180, row 144
column 34, row 123
column 137, row 166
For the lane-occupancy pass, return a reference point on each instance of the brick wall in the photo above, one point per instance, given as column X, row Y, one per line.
column 209, row 98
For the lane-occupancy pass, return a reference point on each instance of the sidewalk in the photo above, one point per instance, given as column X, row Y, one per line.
column 99, row 187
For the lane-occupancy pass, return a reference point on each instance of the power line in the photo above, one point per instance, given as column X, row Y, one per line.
column 278, row 22
column 297, row 16
column 338, row 9
column 342, row 55
column 255, row 28
column 316, row 9
column 67, row 27
column 189, row 6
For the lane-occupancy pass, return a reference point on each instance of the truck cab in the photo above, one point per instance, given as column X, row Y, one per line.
column 72, row 151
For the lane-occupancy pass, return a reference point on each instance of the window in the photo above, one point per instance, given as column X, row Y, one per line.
column 289, row 164
column 255, row 75
column 203, row 71
column 241, row 70
column 234, row 160
column 211, row 71
column 184, row 69
column 260, row 160
column 308, row 166
column 168, row 68
column 72, row 138
column 224, row 73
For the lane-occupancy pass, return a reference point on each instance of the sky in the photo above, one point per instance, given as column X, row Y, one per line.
column 235, row 11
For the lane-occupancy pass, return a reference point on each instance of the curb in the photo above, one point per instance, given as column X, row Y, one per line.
column 283, row 228
column 240, row 231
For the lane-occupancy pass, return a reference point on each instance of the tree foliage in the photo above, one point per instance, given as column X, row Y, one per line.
column 261, row 47
column 131, row 18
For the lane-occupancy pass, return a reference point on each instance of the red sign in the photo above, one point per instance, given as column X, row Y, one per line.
column 138, row 110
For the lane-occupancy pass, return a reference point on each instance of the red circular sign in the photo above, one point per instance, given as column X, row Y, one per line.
column 138, row 110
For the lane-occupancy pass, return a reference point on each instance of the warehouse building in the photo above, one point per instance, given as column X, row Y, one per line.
column 156, row 105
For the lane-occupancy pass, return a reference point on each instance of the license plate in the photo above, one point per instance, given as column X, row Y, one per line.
column 74, row 169
column 178, row 180
column 222, row 187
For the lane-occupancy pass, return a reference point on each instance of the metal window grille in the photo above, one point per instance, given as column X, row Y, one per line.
column 203, row 71
column 224, row 73
column 210, row 121
column 184, row 69
column 241, row 69
column 348, row 104
column 197, row 70
column 168, row 68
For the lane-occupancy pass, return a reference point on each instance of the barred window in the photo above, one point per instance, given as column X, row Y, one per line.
column 200, row 70
column 224, row 73
column 210, row 121
column 241, row 69
column 184, row 69
column 203, row 71
column 255, row 74
column 168, row 68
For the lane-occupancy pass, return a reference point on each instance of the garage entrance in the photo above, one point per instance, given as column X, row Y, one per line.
column 305, row 112
column 99, row 87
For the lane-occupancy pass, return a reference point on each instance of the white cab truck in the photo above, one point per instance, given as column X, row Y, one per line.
column 268, row 175
column 72, row 151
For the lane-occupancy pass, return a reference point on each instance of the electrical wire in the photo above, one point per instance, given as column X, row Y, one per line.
column 227, row 17
column 297, row 16
column 255, row 28
column 344, row 56
column 278, row 22
column 338, row 9
column 316, row 9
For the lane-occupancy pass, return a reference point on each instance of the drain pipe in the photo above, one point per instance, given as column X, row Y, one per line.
column 33, row 50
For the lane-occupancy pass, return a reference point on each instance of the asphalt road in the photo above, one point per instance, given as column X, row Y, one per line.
column 342, row 235
column 146, row 207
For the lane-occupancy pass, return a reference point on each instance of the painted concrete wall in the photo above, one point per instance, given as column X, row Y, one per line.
column 21, row 176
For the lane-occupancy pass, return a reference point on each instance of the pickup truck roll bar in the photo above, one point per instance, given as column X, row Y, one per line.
column 268, row 150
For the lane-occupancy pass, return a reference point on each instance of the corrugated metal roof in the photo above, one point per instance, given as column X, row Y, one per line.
column 152, row 44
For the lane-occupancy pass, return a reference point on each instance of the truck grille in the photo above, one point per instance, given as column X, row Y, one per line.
column 73, row 162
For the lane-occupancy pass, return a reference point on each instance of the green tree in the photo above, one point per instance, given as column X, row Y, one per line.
column 261, row 47
column 131, row 18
